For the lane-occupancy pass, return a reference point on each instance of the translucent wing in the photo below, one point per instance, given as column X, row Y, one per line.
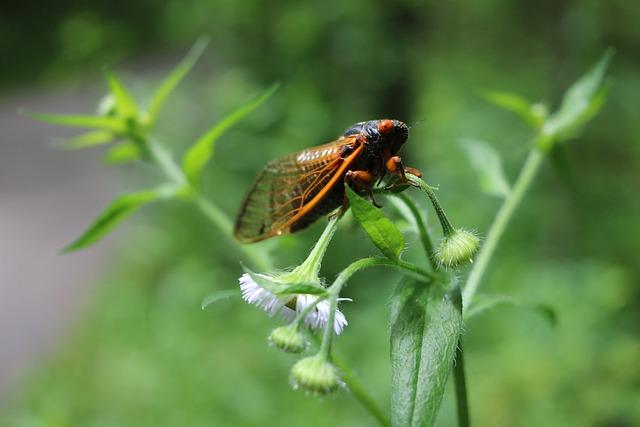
column 290, row 187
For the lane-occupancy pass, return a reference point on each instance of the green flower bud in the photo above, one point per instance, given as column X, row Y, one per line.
column 315, row 375
column 457, row 248
column 288, row 339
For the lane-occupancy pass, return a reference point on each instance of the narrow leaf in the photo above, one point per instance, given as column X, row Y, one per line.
column 518, row 105
column 89, row 139
column 219, row 296
column 199, row 154
column 484, row 302
column 119, row 209
column 382, row 232
column 123, row 153
column 280, row 288
column 425, row 328
column 125, row 103
column 80, row 121
column 487, row 163
column 581, row 102
column 175, row 77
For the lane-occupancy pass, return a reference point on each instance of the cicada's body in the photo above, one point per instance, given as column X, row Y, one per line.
column 295, row 190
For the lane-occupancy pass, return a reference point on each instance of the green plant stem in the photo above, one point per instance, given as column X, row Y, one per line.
column 447, row 228
column 525, row 178
column 425, row 239
column 360, row 392
column 215, row 215
column 461, row 387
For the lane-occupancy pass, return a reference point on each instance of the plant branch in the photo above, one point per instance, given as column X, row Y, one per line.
column 461, row 386
column 215, row 215
column 425, row 239
column 525, row 178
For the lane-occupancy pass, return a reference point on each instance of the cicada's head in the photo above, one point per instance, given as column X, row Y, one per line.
column 385, row 134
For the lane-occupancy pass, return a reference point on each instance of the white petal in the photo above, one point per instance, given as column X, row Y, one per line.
column 255, row 294
column 319, row 316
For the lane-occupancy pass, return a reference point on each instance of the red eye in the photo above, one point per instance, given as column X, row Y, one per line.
column 385, row 126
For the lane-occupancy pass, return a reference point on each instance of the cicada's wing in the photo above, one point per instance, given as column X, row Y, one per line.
column 288, row 188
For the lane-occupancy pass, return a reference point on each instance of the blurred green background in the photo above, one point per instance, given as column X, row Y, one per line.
column 144, row 354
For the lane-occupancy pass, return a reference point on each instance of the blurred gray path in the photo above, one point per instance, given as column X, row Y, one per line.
column 46, row 198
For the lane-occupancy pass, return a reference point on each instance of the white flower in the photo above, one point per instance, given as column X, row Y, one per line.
column 284, row 307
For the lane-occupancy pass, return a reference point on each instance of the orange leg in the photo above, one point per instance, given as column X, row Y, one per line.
column 395, row 166
column 362, row 180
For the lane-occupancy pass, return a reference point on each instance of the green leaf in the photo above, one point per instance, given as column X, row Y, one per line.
column 484, row 302
column 487, row 163
column 425, row 328
column 199, row 154
column 280, row 288
column 382, row 232
column 119, row 209
column 125, row 103
column 79, row 121
column 219, row 296
column 89, row 139
column 175, row 77
column 533, row 114
column 123, row 153
column 581, row 102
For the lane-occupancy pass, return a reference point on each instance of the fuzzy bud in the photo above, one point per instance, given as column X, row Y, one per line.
column 458, row 248
column 315, row 375
column 288, row 339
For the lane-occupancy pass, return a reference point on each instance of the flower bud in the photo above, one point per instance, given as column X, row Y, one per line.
column 457, row 248
column 288, row 339
column 315, row 375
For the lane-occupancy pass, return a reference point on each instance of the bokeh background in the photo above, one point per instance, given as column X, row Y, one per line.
column 114, row 335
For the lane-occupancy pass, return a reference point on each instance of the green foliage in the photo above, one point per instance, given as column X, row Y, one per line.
column 201, row 152
column 80, row 121
column 488, row 165
column 124, row 152
column 485, row 302
column 533, row 114
column 119, row 209
column 279, row 287
column 581, row 102
column 382, row 232
column 124, row 103
column 89, row 139
column 174, row 78
column 425, row 328
column 218, row 296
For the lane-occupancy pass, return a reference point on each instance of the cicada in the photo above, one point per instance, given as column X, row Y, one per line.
column 292, row 192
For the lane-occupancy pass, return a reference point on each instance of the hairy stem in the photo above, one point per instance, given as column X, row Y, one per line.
column 525, row 178
column 425, row 238
column 461, row 387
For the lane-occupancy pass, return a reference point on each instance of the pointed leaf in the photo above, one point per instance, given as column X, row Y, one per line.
column 581, row 102
column 488, row 165
column 119, row 209
column 125, row 103
column 80, row 121
column 530, row 113
column 123, row 153
column 280, row 288
column 219, row 296
column 175, row 77
column 425, row 328
column 199, row 154
column 382, row 232
column 484, row 302
column 89, row 139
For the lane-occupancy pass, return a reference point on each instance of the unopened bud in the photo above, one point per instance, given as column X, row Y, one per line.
column 457, row 248
column 288, row 339
column 315, row 375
